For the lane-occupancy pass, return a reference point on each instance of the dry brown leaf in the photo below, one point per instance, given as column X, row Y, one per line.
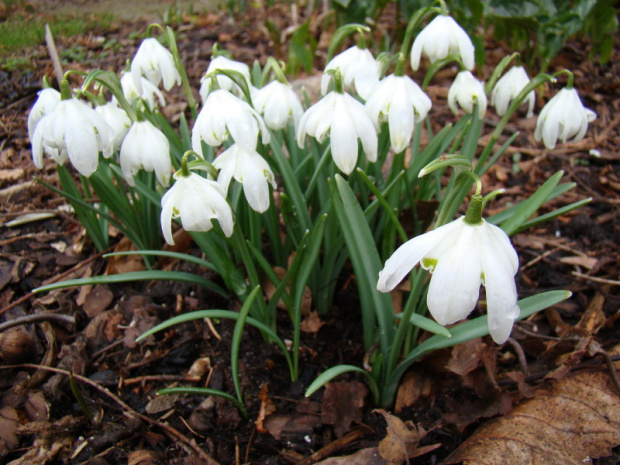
column 466, row 357
column 267, row 407
column 368, row 456
column 415, row 384
column 312, row 323
column 9, row 421
column 342, row 404
column 124, row 263
column 575, row 420
column 579, row 260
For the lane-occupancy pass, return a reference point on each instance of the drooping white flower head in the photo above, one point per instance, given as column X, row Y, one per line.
column 156, row 64
column 279, row 104
column 466, row 91
column 508, row 87
column 251, row 170
column 148, row 93
column 563, row 117
column 442, row 37
column 117, row 119
column 45, row 104
column 224, row 115
column 399, row 101
column 146, row 147
column 462, row 256
column 223, row 63
column 345, row 120
column 197, row 201
column 73, row 130
column 358, row 68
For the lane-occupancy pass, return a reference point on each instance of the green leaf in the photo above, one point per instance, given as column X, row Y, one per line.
column 338, row 370
column 149, row 275
column 164, row 253
column 528, row 207
column 236, row 344
column 204, row 392
column 216, row 313
column 376, row 306
column 426, row 324
column 466, row 331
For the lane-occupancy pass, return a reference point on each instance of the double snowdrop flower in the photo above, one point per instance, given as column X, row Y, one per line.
column 345, row 120
column 440, row 38
column 467, row 91
column 358, row 68
column 145, row 147
column 156, row 64
column 399, row 101
column 117, row 119
column 563, row 117
column 461, row 255
column 72, row 130
column 224, row 82
column 279, row 104
column 251, row 170
column 197, row 201
column 508, row 87
column 224, row 115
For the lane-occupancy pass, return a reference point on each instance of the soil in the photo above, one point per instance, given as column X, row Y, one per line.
column 41, row 420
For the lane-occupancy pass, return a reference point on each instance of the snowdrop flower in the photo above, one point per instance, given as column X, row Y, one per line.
column 223, row 63
column 117, row 119
column 399, row 101
column 466, row 90
column 72, row 130
column 251, row 170
column 278, row 103
column 508, row 87
column 197, row 201
column 148, row 93
column 45, row 104
column 563, row 117
column 440, row 38
column 462, row 255
column 345, row 120
column 358, row 68
column 156, row 64
column 146, row 147
column 222, row 115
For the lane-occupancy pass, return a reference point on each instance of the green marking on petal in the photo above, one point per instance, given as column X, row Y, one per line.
column 429, row 264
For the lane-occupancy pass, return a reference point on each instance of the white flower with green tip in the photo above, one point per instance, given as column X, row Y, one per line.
column 279, row 104
column 442, row 37
column 563, row 117
column 146, row 147
column 358, row 68
column 149, row 93
column 399, row 101
column 466, row 91
column 156, row 64
column 222, row 116
column 224, row 82
column 508, row 87
column 344, row 120
column 75, row 131
column 462, row 255
column 117, row 119
column 251, row 170
column 45, row 104
column 197, row 201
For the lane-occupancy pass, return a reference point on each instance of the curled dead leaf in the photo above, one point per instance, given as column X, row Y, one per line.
column 574, row 421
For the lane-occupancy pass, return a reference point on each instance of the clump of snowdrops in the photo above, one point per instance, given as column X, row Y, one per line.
column 265, row 180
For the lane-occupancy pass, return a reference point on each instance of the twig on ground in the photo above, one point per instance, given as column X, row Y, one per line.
column 613, row 282
column 35, row 318
column 169, row 430
column 142, row 379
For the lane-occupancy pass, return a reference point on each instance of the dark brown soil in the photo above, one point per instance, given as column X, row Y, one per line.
column 577, row 252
